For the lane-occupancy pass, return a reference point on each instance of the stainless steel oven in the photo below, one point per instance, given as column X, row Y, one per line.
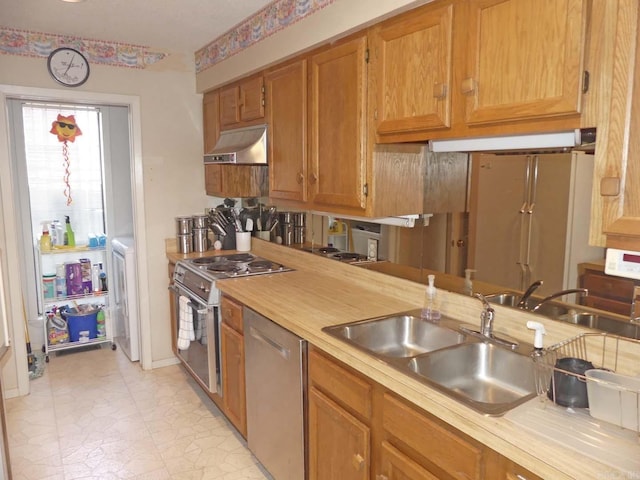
column 198, row 315
column 202, row 356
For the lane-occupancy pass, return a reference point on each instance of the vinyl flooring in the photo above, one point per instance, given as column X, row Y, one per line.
column 94, row 415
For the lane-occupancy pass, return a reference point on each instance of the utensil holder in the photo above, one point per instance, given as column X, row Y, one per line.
column 243, row 241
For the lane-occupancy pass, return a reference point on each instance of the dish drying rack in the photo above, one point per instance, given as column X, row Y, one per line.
column 606, row 352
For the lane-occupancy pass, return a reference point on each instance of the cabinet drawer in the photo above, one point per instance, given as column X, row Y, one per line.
column 606, row 286
column 343, row 386
column 232, row 314
column 440, row 446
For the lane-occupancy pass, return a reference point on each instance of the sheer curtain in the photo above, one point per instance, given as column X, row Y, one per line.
column 46, row 170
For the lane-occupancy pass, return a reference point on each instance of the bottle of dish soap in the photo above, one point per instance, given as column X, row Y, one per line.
column 430, row 310
column 69, row 235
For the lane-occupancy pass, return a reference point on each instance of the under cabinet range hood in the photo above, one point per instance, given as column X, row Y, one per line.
column 242, row 146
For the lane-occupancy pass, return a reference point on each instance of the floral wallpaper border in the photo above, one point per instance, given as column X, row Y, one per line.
column 37, row 44
column 276, row 16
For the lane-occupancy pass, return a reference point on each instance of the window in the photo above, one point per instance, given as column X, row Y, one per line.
column 47, row 169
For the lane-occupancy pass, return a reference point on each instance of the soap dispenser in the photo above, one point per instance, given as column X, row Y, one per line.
column 430, row 310
column 70, row 236
column 467, row 289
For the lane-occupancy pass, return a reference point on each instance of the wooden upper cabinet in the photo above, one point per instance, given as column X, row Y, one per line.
column 286, row 97
column 252, row 99
column 242, row 102
column 524, row 59
column 337, row 104
column 229, row 106
column 615, row 210
column 411, row 70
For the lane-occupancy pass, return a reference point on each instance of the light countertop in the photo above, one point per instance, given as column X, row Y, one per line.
column 322, row 292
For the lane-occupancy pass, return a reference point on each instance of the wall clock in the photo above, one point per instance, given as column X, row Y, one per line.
column 68, row 67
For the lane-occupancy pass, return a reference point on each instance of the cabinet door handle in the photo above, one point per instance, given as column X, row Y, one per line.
column 314, row 178
column 381, row 477
column 469, row 86
column 300, row 177
column 440, row 91
column 358, row 461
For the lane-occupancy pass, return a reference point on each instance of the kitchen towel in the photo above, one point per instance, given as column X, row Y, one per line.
column 185, row 331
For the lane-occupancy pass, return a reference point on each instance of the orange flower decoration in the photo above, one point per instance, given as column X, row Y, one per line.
column 65, row 128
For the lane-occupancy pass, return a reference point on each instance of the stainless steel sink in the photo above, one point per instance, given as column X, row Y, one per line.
column 398, row 336
column 510, row 299
column 578, row 315
column 483, row 376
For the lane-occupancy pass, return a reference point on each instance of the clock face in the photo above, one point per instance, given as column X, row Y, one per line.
column 68, row 67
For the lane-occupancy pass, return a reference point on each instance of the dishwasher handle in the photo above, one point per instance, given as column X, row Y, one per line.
column 261, row 337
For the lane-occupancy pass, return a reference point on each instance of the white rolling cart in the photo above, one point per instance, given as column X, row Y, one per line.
column 52, row 296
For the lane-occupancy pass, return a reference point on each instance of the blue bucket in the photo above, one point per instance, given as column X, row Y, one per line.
column 82, row 325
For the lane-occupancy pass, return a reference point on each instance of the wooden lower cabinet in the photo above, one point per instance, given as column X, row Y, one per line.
column 395, row 465
column 360, row 430
column 234, row 404
column 339, row 444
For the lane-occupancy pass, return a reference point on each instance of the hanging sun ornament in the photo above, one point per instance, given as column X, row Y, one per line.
column 67, row 130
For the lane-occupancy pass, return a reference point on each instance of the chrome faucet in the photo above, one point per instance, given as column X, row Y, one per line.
column 486, row 317
column 582, row 291
column 525, row 296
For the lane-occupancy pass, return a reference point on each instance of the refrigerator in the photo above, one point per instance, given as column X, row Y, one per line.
column 529, row 219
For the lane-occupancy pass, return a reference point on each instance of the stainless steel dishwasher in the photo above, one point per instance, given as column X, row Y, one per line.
column 276, row 375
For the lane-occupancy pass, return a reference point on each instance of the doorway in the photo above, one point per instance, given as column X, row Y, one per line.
column 87, row 179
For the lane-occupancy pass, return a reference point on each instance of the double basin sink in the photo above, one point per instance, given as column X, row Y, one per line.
column 576, row 315
column 445, row 355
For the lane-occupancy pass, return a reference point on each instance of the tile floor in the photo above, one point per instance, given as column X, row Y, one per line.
column 94, row 415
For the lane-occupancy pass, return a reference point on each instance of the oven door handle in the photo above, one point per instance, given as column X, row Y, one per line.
column 180, row 290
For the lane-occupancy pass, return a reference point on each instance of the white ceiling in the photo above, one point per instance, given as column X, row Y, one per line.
column 167, row 25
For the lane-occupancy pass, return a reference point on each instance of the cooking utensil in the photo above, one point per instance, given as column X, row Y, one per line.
column 249, row 225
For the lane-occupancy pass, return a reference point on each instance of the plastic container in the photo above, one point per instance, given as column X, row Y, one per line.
column 45, row 239
column 57, row 330
column 49, row 286
column 100, row 321
column 82, row 326
column 614, row 398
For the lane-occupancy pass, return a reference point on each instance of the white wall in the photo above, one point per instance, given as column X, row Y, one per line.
column 169, row 171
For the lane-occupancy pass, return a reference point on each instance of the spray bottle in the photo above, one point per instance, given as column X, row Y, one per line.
column 430, row 310
column 69, row 235
column 45, row 239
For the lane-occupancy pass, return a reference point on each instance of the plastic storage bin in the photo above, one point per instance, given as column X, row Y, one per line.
column 614, row 398
column 82, row 326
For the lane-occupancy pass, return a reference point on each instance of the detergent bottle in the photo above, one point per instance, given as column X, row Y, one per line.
column 69, row 235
